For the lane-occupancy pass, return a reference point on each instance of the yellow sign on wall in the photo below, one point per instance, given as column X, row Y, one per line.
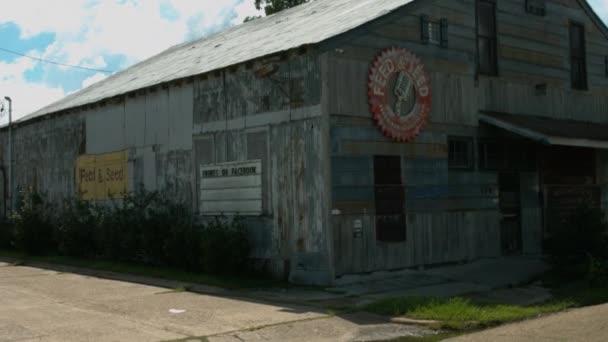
column 102, row 176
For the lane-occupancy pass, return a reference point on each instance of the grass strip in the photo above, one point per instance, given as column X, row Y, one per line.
column 460, row 313
column 226, row 282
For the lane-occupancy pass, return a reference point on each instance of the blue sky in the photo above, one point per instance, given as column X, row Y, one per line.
column 97, row 34
column 102, row 34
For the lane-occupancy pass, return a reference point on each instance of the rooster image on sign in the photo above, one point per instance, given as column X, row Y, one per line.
column 399, row 93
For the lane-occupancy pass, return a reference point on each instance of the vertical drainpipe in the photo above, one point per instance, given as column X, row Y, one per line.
column 225, row 104
column 10, row 152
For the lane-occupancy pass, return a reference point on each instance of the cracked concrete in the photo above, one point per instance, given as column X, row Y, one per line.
column 586, row 324
column 43, row 305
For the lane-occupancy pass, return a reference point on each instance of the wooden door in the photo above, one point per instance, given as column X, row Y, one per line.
column 510, row 210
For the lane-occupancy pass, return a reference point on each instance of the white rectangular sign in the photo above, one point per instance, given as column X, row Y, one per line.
column 231, row 188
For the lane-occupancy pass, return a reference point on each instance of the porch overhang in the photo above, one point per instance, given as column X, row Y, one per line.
column 550, row 131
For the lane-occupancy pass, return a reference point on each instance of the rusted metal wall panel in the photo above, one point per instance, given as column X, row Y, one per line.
column 135, row 107
column 181, row 103
column 149, row 180
column 157, row 118
column 105, row 129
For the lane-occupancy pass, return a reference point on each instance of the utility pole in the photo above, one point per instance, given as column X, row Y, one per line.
column 10, row 152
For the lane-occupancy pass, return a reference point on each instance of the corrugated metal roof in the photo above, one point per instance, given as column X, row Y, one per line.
column 306, row 24
column 549, row 130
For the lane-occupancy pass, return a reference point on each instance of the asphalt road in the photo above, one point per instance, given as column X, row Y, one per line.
column 587, row 324
column 44, row 305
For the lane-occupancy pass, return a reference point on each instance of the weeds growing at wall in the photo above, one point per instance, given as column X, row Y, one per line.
column 144, row 228
column 33, row 228
column 579, row 247
column 6, row 234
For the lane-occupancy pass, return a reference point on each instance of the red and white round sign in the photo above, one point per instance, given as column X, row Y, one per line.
column 399, row 93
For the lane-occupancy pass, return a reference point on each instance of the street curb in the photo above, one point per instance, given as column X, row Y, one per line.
column 408, row 321
column 168, row 284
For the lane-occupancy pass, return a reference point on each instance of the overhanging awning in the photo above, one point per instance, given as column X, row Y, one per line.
column 550, row 131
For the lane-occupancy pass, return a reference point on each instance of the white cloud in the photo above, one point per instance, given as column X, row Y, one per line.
column 27, row 97
column 245, row 9
column 34, row 16
column 88, row 32
column 137, row 29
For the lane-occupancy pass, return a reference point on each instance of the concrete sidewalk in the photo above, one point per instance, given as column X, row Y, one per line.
column 61, row 303
column 50, row 306
column 588, row 324
column 477, row 277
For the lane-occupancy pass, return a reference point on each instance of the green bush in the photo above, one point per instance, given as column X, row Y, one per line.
column 6, row 234
column 33, row 228
column 597, row 271
column 144, row 227
column 225, row 247
column 168, row 235
column 583, row 234
column 77, row 228
column 579, row 247
column 121, row 230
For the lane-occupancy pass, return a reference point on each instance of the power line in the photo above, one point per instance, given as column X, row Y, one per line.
column 56, row 63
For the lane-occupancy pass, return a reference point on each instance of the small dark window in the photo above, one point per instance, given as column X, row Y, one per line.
column 390, row 199
column 491, row 155
column 487, row 63
column 578, row 59
column 536, row 7
column 460, row 153
column 434, row 32
column 506, row 155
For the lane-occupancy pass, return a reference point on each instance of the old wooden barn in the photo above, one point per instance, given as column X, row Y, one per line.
column 354, row 135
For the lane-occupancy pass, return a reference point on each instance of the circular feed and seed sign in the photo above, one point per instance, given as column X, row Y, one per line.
column 399, row 92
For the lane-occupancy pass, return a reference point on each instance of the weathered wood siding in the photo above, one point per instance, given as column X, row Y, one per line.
column 151, row 126
column 451, row 215
column 44, row 156
column 270, row 110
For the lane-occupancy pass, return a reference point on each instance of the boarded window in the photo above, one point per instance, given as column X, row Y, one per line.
column 460, row 153
column 578, row 60
column 536, row 7
column 486, row 38
column 390, row 199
